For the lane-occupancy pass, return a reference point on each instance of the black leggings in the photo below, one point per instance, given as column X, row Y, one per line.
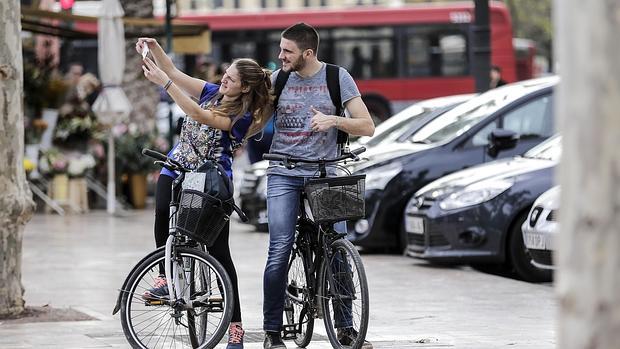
column 220, row 249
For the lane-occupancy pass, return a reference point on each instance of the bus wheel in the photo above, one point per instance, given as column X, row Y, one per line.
column 379, row 109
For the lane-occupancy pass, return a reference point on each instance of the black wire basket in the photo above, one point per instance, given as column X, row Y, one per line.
column 201, row 216
column 335, row 199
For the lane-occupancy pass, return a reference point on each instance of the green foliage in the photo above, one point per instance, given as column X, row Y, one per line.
column 531, row 19
column 129, row 144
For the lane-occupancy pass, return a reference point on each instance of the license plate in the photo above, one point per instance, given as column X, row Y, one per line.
column 414, row 225
column 534, row 241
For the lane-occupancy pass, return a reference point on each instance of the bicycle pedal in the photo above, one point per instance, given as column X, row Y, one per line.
column 289, row 336
column 289, row 332
column 215, row 299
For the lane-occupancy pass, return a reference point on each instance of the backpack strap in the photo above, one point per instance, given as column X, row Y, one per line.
column 281, row 80
column 333, row 85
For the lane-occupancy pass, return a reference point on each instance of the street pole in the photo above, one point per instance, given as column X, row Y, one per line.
column 481, row 47
column 168, row 29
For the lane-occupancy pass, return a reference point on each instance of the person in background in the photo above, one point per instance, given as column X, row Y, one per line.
column 260, row 144
column 496, row 77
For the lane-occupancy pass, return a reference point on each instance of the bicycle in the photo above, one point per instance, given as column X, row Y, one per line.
column 199, row 307
column 326, row 277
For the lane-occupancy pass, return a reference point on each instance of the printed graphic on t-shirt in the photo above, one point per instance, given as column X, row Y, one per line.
column 294, row 120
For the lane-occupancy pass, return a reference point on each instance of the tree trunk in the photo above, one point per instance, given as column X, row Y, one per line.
column 15, row 197
column 142, row 94
column 588, row 279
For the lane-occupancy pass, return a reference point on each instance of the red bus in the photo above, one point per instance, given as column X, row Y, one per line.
column 396, row 54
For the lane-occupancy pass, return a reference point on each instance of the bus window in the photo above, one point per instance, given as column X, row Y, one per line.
column 417, row 56
column 367, row 53
column 453, row 50
column 432, row 52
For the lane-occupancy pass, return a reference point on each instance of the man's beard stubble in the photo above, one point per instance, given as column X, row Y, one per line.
column 298, row 65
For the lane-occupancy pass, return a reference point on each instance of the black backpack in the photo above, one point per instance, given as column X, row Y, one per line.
column 333, row 86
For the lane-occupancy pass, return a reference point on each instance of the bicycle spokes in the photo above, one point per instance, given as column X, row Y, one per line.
column 199, row 317
column 344, row 296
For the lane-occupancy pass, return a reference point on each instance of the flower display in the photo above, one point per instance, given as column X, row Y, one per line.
column 80, row 164
column 130, row 140
column 75, row 164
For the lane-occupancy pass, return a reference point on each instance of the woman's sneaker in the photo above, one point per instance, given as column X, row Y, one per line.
column 348, row 335
column 235, row 336
column 159, row 290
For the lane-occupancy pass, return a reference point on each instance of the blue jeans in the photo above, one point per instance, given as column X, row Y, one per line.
column 283, row 194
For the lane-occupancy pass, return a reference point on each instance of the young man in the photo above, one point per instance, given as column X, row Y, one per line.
column 305, row 126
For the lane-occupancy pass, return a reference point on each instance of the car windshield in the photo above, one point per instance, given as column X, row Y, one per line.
column 397, row 127
column 550, row 149
column 460, row 119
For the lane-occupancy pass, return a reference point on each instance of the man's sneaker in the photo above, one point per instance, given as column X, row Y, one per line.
column 235, row 336
column 273, row 341
column 347, row 336
column 159, row 290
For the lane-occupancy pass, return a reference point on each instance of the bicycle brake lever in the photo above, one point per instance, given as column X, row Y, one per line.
column 288, row 165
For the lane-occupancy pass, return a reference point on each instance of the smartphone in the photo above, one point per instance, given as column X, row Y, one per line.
column 145, row 50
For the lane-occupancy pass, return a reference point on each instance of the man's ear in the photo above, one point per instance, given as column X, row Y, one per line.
column 308, row 53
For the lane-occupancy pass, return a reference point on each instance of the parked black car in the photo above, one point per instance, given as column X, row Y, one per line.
column 475, row 215
column 398, row 128
column 480, row 130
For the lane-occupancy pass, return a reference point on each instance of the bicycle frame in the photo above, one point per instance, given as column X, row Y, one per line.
column 326, row 272
column 314, row 240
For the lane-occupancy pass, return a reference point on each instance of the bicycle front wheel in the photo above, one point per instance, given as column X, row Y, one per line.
column 344, row 296
column 198, row 319
column 297, row 304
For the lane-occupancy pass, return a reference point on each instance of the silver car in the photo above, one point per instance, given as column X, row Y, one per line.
column 540, row 228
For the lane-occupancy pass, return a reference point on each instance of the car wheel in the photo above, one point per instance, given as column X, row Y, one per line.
column 520, row 257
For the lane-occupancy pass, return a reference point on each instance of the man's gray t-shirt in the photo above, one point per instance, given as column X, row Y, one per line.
column 293, row 130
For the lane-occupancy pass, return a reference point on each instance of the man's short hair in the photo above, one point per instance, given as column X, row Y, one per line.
column 304, row 35
column 496, row 68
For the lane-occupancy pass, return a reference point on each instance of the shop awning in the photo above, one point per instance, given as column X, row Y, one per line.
column 188, row 37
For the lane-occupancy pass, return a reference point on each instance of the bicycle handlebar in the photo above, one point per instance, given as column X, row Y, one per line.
column 291, row 159
column 155, row 155
column 166, row 161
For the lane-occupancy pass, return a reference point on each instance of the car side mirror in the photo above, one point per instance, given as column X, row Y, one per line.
column 500, row 139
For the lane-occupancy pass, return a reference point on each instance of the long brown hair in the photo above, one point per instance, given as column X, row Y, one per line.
column 258, row 100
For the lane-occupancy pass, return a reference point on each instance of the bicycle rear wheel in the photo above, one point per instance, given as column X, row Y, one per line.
column 344, row 296
column 199, row 320
column 297, row 304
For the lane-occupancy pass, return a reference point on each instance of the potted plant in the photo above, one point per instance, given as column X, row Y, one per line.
column 130, row 162
column 54, row 163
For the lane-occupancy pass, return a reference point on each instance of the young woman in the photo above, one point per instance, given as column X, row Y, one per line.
column 224, row 117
